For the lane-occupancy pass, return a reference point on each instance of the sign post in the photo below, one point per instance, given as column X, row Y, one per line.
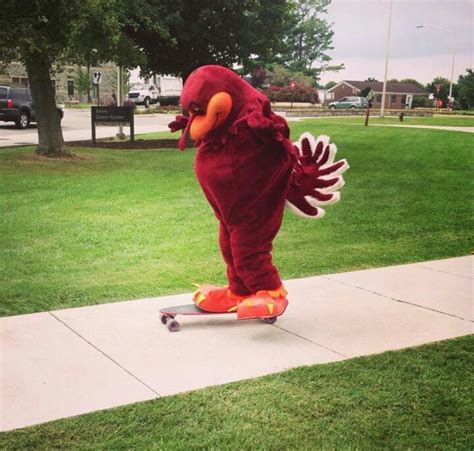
column 369, row 98
column 112, row 116
column 97, row 80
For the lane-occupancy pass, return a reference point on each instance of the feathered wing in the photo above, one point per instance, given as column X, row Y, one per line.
column 316, row 178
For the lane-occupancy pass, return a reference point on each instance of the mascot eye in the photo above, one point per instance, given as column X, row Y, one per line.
column 197, row 111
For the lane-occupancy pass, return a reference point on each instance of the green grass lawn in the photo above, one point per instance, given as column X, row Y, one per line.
column 79, row 106
column 125, row 225
column 420, row 398
column 457, row 121
column 159, row 135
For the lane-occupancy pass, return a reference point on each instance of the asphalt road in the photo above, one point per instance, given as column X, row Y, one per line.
column 76, row 126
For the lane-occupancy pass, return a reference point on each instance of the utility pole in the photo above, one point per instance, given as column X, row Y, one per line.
column 384, row 90
column 452, row 68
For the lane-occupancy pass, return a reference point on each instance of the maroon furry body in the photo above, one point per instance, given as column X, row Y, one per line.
column 248, row 169
column 244, row 169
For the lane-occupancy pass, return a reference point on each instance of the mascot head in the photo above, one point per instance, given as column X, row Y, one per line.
column 215, row 97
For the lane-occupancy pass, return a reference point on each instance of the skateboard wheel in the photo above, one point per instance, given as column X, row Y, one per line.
column 173, row 326
column 270, row 320
column 163, row 319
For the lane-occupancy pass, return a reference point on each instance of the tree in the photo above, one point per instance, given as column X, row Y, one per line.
column 412, row 81
column 466, row 89
column 308, row 38
column 198, row 32
column 42, row 32
column 282, row 76
column 444, row 89
column 82, row 81
column 371, row 79
column 329, row 85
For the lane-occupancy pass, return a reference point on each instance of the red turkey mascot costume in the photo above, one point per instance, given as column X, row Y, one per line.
column 249, row 170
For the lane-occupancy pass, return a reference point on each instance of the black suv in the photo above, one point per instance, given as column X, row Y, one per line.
column 16, row 106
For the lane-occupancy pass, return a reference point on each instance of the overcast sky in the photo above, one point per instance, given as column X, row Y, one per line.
column 360, row 36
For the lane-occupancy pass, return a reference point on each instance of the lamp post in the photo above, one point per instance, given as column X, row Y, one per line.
column 387, row 54
column 453, row 58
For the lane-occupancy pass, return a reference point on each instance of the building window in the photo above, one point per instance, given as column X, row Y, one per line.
column 22, row 81
column 70, row 88
column 393, row 99
column 403, row 100
column 329, row 96
column 378, row 98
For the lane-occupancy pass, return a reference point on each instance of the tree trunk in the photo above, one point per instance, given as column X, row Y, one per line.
column 50, row 135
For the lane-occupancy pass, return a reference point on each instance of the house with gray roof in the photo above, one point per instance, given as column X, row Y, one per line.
column 397, row 95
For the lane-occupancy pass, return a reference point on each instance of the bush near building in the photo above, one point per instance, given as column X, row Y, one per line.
column 287, row 94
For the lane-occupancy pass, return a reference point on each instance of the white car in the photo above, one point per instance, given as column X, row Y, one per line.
column 144, row 94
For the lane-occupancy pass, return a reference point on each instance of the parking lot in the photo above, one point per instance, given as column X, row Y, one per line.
column 76, row 125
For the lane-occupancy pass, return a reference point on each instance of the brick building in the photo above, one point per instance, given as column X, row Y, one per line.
column 397, row 95
column 64, row 80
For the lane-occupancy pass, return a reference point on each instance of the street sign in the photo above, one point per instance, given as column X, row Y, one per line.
column 112, row 116
column 97, row 78
column 370, row 95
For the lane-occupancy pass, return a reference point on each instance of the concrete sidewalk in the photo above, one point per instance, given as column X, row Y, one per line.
column 69, row 362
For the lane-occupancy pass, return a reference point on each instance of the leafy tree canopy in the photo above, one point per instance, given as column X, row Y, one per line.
column 466, row 89
column 281, row 76
column 413, row 81
column 444, row 89
column 198, row 32
column 308, row 37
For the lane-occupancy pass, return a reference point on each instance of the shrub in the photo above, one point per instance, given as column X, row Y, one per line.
column 298, row 94
column 422, row 102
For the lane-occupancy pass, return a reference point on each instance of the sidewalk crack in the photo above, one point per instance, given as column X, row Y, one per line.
column 312, row 342
column 105, row 355
column 397, row 300
column 444, row 272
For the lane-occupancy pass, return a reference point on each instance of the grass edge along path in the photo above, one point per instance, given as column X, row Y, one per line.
column 417, row 398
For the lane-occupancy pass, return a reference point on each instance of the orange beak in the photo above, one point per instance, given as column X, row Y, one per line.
column 218, row 110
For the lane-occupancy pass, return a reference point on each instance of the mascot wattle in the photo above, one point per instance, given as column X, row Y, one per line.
column 249, row 171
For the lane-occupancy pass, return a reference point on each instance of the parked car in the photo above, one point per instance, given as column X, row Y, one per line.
column 16, row 106
column 349, row 103
column 166, row 91
column 143, row 94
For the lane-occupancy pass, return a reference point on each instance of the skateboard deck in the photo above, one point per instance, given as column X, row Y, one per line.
column 168, row 315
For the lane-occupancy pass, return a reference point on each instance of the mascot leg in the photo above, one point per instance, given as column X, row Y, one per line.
column 212, row 298
column 251, row 249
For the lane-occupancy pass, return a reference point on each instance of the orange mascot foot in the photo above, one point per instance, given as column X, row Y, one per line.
column 263, row 304
column 212, row 298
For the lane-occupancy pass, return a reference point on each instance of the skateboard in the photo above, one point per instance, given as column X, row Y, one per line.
column 168, row 315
